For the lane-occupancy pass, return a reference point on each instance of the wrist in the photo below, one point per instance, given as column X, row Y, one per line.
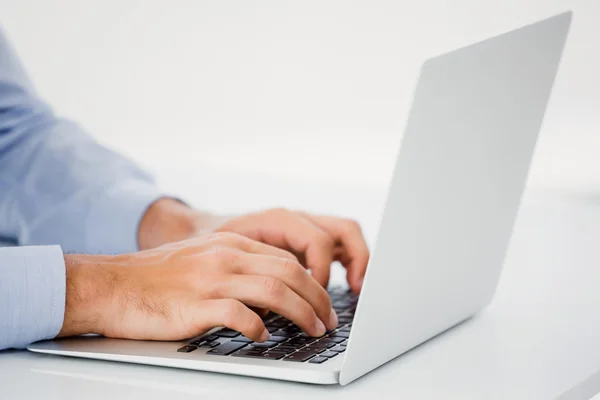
column 89, row 290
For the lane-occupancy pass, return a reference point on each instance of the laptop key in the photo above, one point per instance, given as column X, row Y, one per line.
column 277, row 339
column 319, row 345
column 286, row 349
column 283, row 334
column 342, row 304
column 323, row 344
column 300, row 340
column 265, row 344
column 333, row 339
column 314, row 350
column 339, row 349
column 249, row 351
column 228, row 333
column 299, row 356
column 318, row 360
column 242, row 339
column 278, row 324
column 271, row 316
column 210, row 344
column 273, row 355
column 247, row 354
column 186, row 349
column 306, row 337
column 344, row 335
column 226, row 348
column 329, row 354
column 295, row 345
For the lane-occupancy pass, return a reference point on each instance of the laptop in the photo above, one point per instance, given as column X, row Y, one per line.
column 444, row 231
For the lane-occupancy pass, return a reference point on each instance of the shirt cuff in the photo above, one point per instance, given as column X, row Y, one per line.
column 113, row 221
column 32, row 294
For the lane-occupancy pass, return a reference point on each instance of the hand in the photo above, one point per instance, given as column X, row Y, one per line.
column 316, row 240
column 181, row 290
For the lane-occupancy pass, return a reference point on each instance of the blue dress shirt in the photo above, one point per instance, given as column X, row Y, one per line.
column 59, row 191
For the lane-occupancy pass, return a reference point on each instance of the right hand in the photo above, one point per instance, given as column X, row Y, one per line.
column 180, row 290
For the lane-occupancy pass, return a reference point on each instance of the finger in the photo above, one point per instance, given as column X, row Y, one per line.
column 232, row 314
column 283, row 228
column 271, row 293
column 252, row 246
column 355, row 252
column 292, row 274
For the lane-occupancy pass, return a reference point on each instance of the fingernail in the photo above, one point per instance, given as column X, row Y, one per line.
column 265, row 336
column 333, row 319
column 319, row 328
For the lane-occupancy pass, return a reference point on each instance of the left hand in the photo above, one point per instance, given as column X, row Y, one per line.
column 316, row 240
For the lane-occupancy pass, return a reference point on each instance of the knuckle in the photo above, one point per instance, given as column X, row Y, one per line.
column 217, row 236
column 225, row 255
column 228, row 237
column 210, row 288
column 273, row 287
column 295, row 269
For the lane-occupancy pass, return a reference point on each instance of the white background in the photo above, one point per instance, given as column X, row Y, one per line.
column 307, row 90
column 299, row 90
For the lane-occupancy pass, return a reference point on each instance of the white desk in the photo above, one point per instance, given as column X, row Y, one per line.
column 540, row 338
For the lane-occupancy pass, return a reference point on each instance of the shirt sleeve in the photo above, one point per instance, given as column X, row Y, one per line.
column 32, row 294
column 58, row 185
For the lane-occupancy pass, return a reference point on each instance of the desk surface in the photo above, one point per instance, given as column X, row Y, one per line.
column 540, row 338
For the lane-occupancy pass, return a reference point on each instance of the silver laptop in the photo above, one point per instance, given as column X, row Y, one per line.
column 443, row 235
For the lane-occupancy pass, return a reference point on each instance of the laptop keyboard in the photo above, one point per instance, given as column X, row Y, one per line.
column 287, row 341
